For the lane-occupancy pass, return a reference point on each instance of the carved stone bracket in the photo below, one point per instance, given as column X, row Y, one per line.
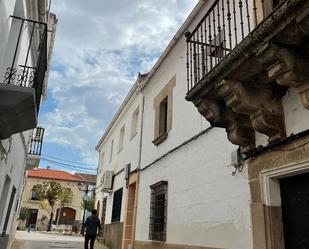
column 211, row 110
column 238, row 127
column 240, row 131
column 289, row 67
column 261, row 105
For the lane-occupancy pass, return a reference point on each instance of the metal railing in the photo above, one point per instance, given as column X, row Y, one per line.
column 225, row 25
column 36, row 141
column 29, row 56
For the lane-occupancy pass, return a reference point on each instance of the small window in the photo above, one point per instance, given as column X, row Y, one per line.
column 121, row 138
column 34, row 196
column 116, row 212
column 135, row 117
column 163, row 117
column 158, row 212
column 163, row 106
column 111, row 152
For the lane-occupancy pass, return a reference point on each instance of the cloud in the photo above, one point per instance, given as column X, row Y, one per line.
column 99, row 49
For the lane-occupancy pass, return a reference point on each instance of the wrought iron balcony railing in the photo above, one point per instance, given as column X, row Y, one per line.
column 29, row 55
column 225, row 25
column 36, row 141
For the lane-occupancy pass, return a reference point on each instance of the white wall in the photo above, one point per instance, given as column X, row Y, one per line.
column 13, row 156
column 128, row 154
column 186, row 121
column 207, row 206
column 13, row 166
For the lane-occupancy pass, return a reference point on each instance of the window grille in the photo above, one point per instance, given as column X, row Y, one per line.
column 116, row 212
column 158, row 211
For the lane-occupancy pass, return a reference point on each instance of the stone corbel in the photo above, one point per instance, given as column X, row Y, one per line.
column 211, row 110
column 262, row 105
column 240, row 131
column 291, row 69
column 238, row 127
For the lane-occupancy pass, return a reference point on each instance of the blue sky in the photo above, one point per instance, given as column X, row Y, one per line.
column 99, row 49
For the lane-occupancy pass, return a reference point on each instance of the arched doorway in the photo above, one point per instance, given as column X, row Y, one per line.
column 67, row 216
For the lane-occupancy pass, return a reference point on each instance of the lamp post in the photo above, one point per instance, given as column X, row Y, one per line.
column 86, row 190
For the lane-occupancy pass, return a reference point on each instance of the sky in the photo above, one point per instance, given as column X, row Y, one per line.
column 100, row 47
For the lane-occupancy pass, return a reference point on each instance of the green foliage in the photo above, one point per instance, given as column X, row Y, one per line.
column 88, row 203
column 49, row 191
column 66, row 197
column 24, row 213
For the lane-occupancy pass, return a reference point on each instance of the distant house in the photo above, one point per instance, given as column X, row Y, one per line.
column 71, row 213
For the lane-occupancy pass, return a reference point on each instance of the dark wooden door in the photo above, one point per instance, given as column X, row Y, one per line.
column 32, row 217
column 295, row 211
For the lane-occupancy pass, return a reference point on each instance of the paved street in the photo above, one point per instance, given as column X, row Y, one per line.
column 39, row 240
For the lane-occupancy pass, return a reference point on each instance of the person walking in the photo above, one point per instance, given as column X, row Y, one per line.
column 92, row 226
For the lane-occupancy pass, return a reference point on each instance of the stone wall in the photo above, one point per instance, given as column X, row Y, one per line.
column 112, row 235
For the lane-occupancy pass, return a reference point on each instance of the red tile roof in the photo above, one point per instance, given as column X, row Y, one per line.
column 54, row 174
column 87, row 177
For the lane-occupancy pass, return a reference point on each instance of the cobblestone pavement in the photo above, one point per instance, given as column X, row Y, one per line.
column 42, row 240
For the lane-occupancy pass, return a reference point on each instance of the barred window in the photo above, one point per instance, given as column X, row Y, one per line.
column 158, row 211
column 116, row 212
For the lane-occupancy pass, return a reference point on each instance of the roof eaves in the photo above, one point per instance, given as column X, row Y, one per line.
column 133, row 89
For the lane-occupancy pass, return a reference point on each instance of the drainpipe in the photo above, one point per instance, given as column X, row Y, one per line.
column 141, row 136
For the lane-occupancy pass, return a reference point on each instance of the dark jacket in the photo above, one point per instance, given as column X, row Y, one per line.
column 92, row 224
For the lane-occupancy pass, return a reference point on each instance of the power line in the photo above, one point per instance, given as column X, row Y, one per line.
column 64, row 160
column 80, row 170
column 67, row 165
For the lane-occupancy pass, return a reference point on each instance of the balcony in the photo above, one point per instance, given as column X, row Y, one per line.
column 241, row 59
column 35, row 148
column 22, row 76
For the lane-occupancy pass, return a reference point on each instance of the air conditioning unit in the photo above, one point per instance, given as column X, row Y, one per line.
column 127, row 170
column 107, row 181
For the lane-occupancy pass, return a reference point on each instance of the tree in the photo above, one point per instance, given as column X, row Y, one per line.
column 66, row 197
column 24, row 213
column 49, row 192
column 88, row 203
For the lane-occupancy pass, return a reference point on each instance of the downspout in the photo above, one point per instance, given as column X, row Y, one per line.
column 141, row 130
column 138, row 169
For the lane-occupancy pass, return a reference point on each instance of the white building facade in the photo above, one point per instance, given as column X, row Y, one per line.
column 225, row 171
column 119, row 160
column 25, row 53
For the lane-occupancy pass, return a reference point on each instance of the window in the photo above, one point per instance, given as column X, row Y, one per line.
column 158, row 211
column 34, row 196
column 111, row 153
column 116, row 212
column 163, row 105
column 121, row 138
column 135, row 117
column 163, row 117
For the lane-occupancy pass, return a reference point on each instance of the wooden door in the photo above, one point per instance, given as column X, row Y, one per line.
column 295, row 211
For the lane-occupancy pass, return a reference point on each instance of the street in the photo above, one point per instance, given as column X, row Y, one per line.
column 39, row 240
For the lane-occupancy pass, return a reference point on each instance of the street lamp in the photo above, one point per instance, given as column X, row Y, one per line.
column 85, row 190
